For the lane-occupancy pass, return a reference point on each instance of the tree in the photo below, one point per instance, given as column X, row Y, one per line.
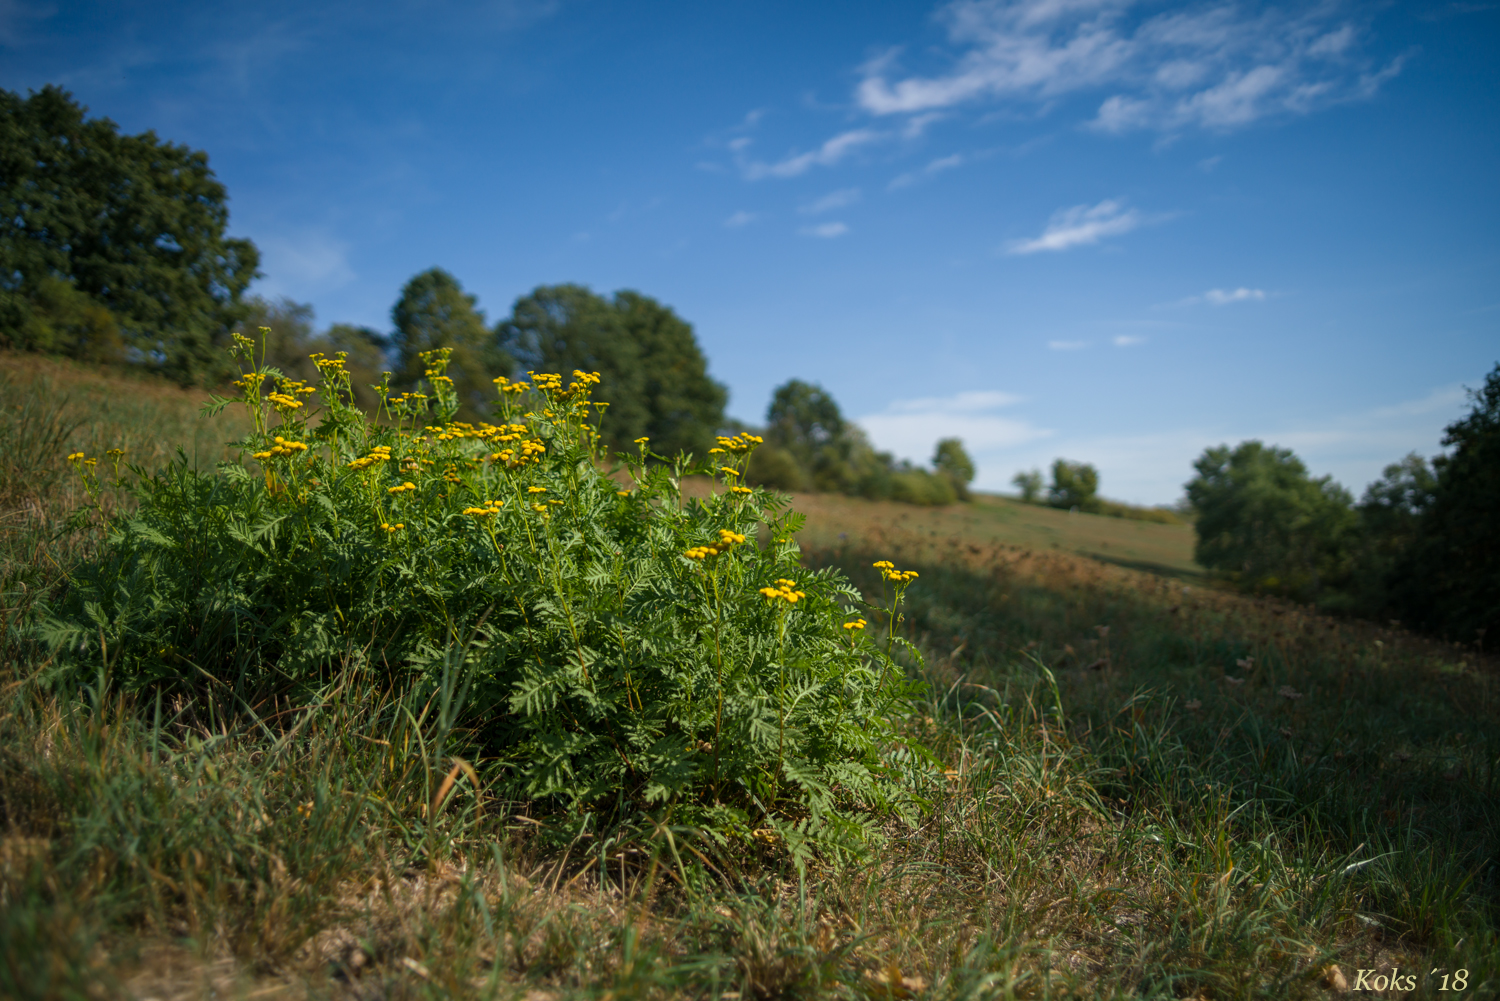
column 1074, row 484
column 135, row 224
column 684, row 406
column 950, row 460
column 1029, row 484
column 1448, row 579
column 1263, row 520
column 805, row 420
column 435, row 312
column 560, row 328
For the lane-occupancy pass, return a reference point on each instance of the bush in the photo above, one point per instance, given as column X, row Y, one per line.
column 616, row 653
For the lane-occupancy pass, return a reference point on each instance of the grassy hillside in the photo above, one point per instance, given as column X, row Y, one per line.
column 1144, row 545
column 1143, row 787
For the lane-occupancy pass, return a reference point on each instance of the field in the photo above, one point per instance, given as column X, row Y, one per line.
column 1148, row 788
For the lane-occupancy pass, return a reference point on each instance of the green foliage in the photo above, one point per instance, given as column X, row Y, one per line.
column 1029, row 484
column 806, row 429
column 655, row 377
column 435, row 313
column 288, row 341
column 58, row 319
column 135, row 224
column 1074, row 484
column 616, row 653
column 950, row 459
column 1447, row 580
column 1268, row 524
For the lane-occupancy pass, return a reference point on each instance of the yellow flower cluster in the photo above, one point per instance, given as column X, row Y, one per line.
column 785, row 590
column 536, row 490
column 741, row 490
column 490, row 509
column 393, row 528
column 380, row 453
column 582, row 383
column 404, row 488
column 889, row 572
column 506, row 386
column 727, row 471
column 546, row 380
column 727, row 541
column 281, row 448
column 114, row 453
column 75, row 457
column 329, row 366
column 738, row 445
column 287, row 391
column 856, row 625
column 530, row 451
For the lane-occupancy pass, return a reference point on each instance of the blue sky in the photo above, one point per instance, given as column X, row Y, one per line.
column 1116, row 232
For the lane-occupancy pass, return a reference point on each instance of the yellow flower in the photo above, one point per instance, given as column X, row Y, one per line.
column 741, row 490
column 642, row 441
column 857, row 624
column 536, row 490
column 728, row 471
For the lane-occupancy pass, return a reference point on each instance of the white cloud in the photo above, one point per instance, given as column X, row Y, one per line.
column 911, row 428
column 1211, row 65
column 1223, row 297
column 1081, row 225
column 740, row 218
column 1067, row 345
column 1128, row 340
column 300, row 265
column 826, row 155
column 832, row 200
column 827, row 230
column 937, row 166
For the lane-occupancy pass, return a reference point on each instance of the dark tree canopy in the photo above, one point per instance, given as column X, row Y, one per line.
column 135, row 224
column 1448, row 580
column 435, row 312
column 1263, row 519
column 654, row 375
column 950, row 459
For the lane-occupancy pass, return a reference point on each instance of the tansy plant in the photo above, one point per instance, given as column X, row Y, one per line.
column 622, row 656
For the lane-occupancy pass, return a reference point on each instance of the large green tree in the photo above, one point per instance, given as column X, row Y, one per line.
column 654, row 375
column 135, row 224
column 1265, row 521
column 435, row 312
column 1447, row 580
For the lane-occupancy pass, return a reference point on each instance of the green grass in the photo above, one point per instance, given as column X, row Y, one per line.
column 989, row 519
column 1112, row 817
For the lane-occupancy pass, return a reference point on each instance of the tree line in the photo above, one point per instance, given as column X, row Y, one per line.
column 1075, row 487
column 1421, row 547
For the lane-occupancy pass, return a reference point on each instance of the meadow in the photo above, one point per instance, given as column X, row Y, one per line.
column 1141, row 786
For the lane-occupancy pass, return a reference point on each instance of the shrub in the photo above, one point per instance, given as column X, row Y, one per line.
column 615, row 653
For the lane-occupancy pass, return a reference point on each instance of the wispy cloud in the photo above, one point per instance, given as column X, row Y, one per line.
column 937, row 166
column 302, row 264
column 1067, row 345
column 912, row 428
column 740, row 218
column 1223, row 297
column 832, row 200
column 1210, row 65
column 826, row 231
column 795, row 165
column 1080, row 226
column 1128, row 340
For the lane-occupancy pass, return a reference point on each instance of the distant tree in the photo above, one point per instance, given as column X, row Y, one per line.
column 366, row 358
column 136, row 225
column 1262, row 519
column 283, row 334
column 435, row 312
column 1390, row 516
column 562, row 328
column 805, row 420
column 684, row 406
column 1448, row 580
column 950, row 460
column 1029, row 484
column 1074, row 484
